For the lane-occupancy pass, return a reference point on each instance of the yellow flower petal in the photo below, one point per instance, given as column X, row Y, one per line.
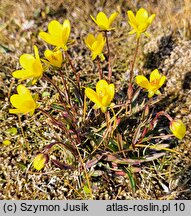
column 93, row 19
column 91, row 94
column 97, row 47
column 94, row 55
column 155, row 75
column 101, row 87
column 102, row 21
column 14, row 111
column 142, row 15
column 47, row 38
column 36, row 52
column 142, row 27
column 55, row 28
column 111, row 91
column 26, row 61
column 112, row 18
column 105, row 100
column 162, row 80
column 22, row 74
column 151, row 18
column 32, row 66
column 48, row 54
column 100, row 37
column 89, row 40
column 37, row 69
column 66, row 31
column 132, row 19
column 22, row 90
column 15, row 100
column 142, row 81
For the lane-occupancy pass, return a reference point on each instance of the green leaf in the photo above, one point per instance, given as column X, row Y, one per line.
column 45, row 94
column 131, row 178
column 86, row 189
column 56, row 106
column 12, row 131
column 113, row 146
column 21, row 165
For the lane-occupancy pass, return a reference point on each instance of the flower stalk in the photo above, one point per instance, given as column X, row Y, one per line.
column 99, row 68
column 73, row 69
column 133, row 60
column 109, row 58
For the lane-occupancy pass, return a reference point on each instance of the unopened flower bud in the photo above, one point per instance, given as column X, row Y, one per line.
column 39, row 161
column 178, row 128
column 130, row 91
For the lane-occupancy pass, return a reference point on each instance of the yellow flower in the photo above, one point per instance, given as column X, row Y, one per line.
column 54, row 58
column 39, row 161
column 96, row 44
column 103, row 96
column 58, row 34
column 32, row 67
column 152, row 86
column 140, row 22
column 178, row 128
column 103, row 22
column 23, row 101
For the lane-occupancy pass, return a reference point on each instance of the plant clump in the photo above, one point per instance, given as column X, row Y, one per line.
column 102, row 132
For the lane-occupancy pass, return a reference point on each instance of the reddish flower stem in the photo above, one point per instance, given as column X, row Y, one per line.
column 164, row 114
column 133, row 61
column 73, row 69
column 130, row 88
column 109, row 58
column 69, row 147
column 61, row 94
column 99, row 68
column 56, row 87
column 146, row 130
